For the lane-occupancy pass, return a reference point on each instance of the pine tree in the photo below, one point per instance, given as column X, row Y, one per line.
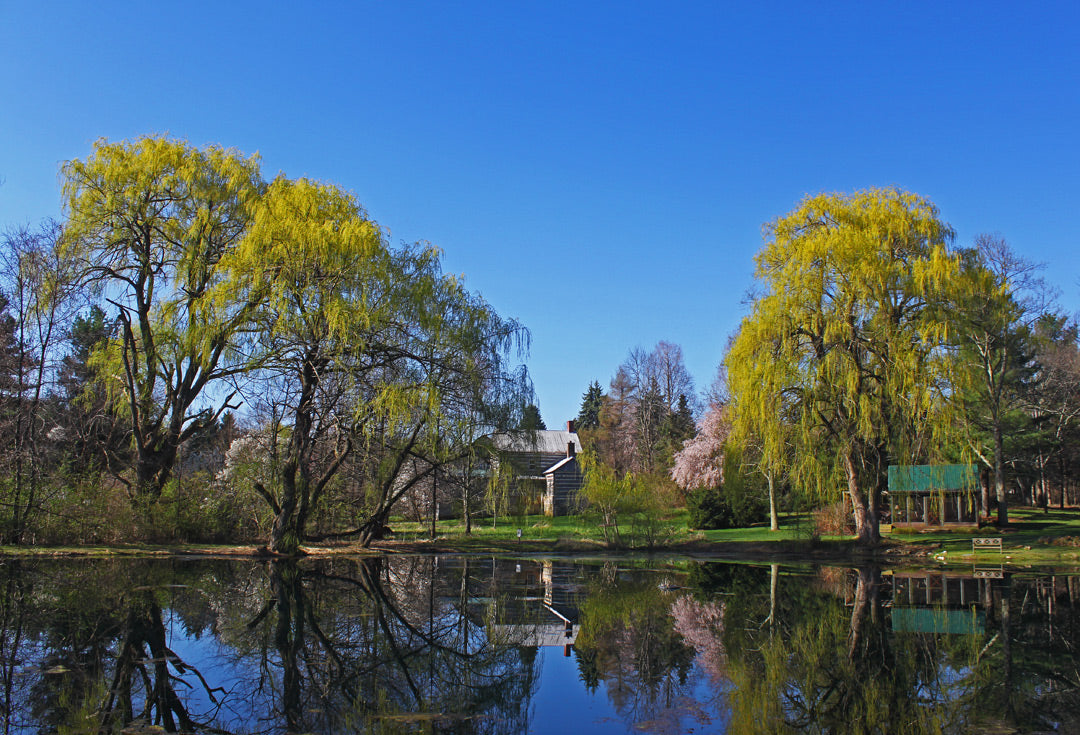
column 591, row 403
column 531, row 419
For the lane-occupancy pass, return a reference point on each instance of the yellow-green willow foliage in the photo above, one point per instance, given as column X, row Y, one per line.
column 318, row 268
column 148, row 223
column 363, row 348
column 839, row 369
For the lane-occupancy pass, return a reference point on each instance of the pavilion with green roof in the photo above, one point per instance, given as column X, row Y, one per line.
column 922, row 496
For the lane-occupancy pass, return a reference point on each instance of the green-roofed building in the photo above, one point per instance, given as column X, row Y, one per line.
column 934, row 495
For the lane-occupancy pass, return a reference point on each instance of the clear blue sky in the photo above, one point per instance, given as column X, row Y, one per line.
column 598, row 170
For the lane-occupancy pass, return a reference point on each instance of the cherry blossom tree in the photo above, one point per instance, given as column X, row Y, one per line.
column 700, row 463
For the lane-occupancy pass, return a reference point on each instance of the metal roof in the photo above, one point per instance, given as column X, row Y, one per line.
column 930, row 477
column 542, row 442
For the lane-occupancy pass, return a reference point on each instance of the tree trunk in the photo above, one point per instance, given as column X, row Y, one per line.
column 774, row 521
column 999, row 479
column 291, row 518
column 1064, row 483
column 153, row 467
column 467, row 499
column 866, row 527
column 285, row 535
column 1044, row 491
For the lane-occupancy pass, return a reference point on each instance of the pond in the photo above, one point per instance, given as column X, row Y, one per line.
column 475, row 644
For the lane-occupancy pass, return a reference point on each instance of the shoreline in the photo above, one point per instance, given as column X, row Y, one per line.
column 890, row 553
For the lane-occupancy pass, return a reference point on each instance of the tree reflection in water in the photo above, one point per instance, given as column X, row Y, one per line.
column 349, row 645
column 844, row 663
column 407, row 644
column 629, row 644
column 371, row 645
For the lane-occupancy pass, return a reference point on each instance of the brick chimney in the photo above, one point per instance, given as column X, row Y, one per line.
column 571, row 426
column 571, row 450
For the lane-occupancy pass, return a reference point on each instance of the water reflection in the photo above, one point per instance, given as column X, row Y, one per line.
column 470, row 644
column 373, row 645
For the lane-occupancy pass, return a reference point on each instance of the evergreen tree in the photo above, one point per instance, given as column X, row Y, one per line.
column 1055, row 404
column 87, row 332
column 94, row 435
column 990, row 313
column 591, row 403
column 9, row 351
column 531, row 420
column 677, row 427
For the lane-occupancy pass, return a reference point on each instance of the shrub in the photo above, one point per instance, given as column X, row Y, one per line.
column 748, row 504
column 708, row 509
column 834, row 520
column 732, row 506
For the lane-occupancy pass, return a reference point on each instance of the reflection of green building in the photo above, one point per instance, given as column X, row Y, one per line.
column 938, row 602
column 933, row 495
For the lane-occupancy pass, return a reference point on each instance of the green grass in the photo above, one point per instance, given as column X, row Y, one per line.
column 533, row 528
column 582, row 529
column 1033, row 537
column 1028, row 539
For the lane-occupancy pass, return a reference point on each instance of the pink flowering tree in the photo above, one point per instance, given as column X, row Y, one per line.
column 700, row 463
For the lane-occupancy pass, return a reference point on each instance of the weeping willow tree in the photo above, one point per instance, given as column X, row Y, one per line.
column 840, row 370
column 148, row 224
column 365, row 349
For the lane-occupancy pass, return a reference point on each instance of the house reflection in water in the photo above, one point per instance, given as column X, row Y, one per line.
column 545, row 614
column 940, row 602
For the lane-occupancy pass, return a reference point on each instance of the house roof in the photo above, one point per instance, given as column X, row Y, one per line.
column 543, row 442
column 559, row 465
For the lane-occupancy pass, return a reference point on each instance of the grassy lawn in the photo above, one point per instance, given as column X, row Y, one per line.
column 1032, row 536
column 672, row 530
column 533, row 528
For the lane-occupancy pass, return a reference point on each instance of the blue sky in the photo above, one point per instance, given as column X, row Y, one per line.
column 599, row 171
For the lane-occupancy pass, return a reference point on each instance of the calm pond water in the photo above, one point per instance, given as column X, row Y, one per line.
column 479, row 645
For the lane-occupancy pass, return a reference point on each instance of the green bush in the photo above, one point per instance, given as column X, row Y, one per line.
column 730, row 506
column 708, row 509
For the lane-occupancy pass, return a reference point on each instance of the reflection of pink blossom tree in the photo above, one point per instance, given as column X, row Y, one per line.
column 701, row 624
column 700, row 463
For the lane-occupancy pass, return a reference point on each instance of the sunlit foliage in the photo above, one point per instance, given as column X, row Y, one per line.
column 148, row 223
column 840, row 356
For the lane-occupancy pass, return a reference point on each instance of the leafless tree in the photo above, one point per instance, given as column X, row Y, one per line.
column 36, row 281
